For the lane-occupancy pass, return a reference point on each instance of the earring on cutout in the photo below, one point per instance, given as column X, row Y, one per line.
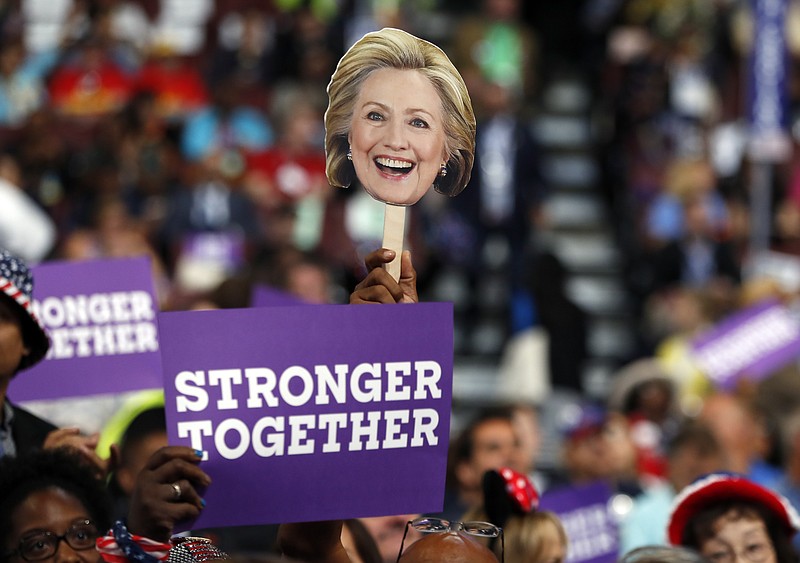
column 443, row 170
column 349, row 154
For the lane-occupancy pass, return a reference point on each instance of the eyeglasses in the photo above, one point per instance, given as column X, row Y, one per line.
column 754, row 551
column 43, row 544
column 438, row 525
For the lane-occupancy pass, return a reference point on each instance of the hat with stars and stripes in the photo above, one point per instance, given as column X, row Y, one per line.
column 16, row 283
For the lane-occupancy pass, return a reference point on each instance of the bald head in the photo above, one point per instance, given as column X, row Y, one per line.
column 449, row 547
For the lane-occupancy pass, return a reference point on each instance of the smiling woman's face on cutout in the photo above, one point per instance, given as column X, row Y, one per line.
column 397, row 135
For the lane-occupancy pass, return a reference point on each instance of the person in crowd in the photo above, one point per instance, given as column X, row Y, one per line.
column 43, row 161
column 359, row 543
column 209, row 230
column 489, row 441
column 691, row 453
column 293, row 169
column 176, row 84
column 503, row 199
column 511, row 502
column 662, row 554
column 52, row 507
column 23, row 344
column 22, row 80
column 146, row 434
column 247, row 48
column 308, row 278
column 726, row 517
column 684, row 178
column 536, row 537
column 442, row 541
column 671, row 323
column 529, row 430
column 550, row 354
column 699, row 257
column 291, row 173
column 788, row 484
column 387, row 531
column 645, row 394
column 89, row 84
column 741, row 429
column 496, row 43
column 597, row 446
column 451, row 544
column 227, row 129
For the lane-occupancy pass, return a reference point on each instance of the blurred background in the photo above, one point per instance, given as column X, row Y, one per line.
column 618, row 205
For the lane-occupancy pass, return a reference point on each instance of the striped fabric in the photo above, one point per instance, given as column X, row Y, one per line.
column 111, row 552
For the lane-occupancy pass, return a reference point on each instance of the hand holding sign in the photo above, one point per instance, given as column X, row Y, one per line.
column 399, row 119
column 380, row 287
column 167, row 492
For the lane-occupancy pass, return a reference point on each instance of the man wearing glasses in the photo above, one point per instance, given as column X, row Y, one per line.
column 443, row 541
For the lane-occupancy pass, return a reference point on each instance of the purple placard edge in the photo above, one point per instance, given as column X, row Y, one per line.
column 593, row 535
column 759, row 363
column 95, row 374
column 265, row 296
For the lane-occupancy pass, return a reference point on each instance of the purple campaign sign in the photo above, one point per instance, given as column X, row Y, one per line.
column 101, row 318
column 312, row 412
column 264, row 296
column 591, row 529
column 752, row 343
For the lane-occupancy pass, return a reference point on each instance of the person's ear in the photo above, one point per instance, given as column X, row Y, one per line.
column 114, row 458
column 126, row 480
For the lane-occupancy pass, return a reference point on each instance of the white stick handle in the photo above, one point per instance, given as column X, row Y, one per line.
column 394, row 224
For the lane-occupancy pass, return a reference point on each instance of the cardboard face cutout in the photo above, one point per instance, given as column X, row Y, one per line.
column 400, row 121
column 397, row 138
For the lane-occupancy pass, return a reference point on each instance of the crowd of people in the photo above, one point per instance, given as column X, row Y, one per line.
column 193, row 133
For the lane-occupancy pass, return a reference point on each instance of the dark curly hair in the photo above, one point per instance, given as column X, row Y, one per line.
column 60, row 468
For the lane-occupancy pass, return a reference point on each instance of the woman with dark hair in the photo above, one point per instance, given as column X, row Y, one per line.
column 726, row 517
column 52, row 506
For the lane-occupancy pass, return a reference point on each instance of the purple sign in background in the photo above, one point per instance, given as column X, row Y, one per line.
column 591, row 529
column 101, row 318
column 752, row 343
column 312, row 412
column 264, row 296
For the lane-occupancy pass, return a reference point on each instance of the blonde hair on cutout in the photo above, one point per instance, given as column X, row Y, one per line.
column 393, row 48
